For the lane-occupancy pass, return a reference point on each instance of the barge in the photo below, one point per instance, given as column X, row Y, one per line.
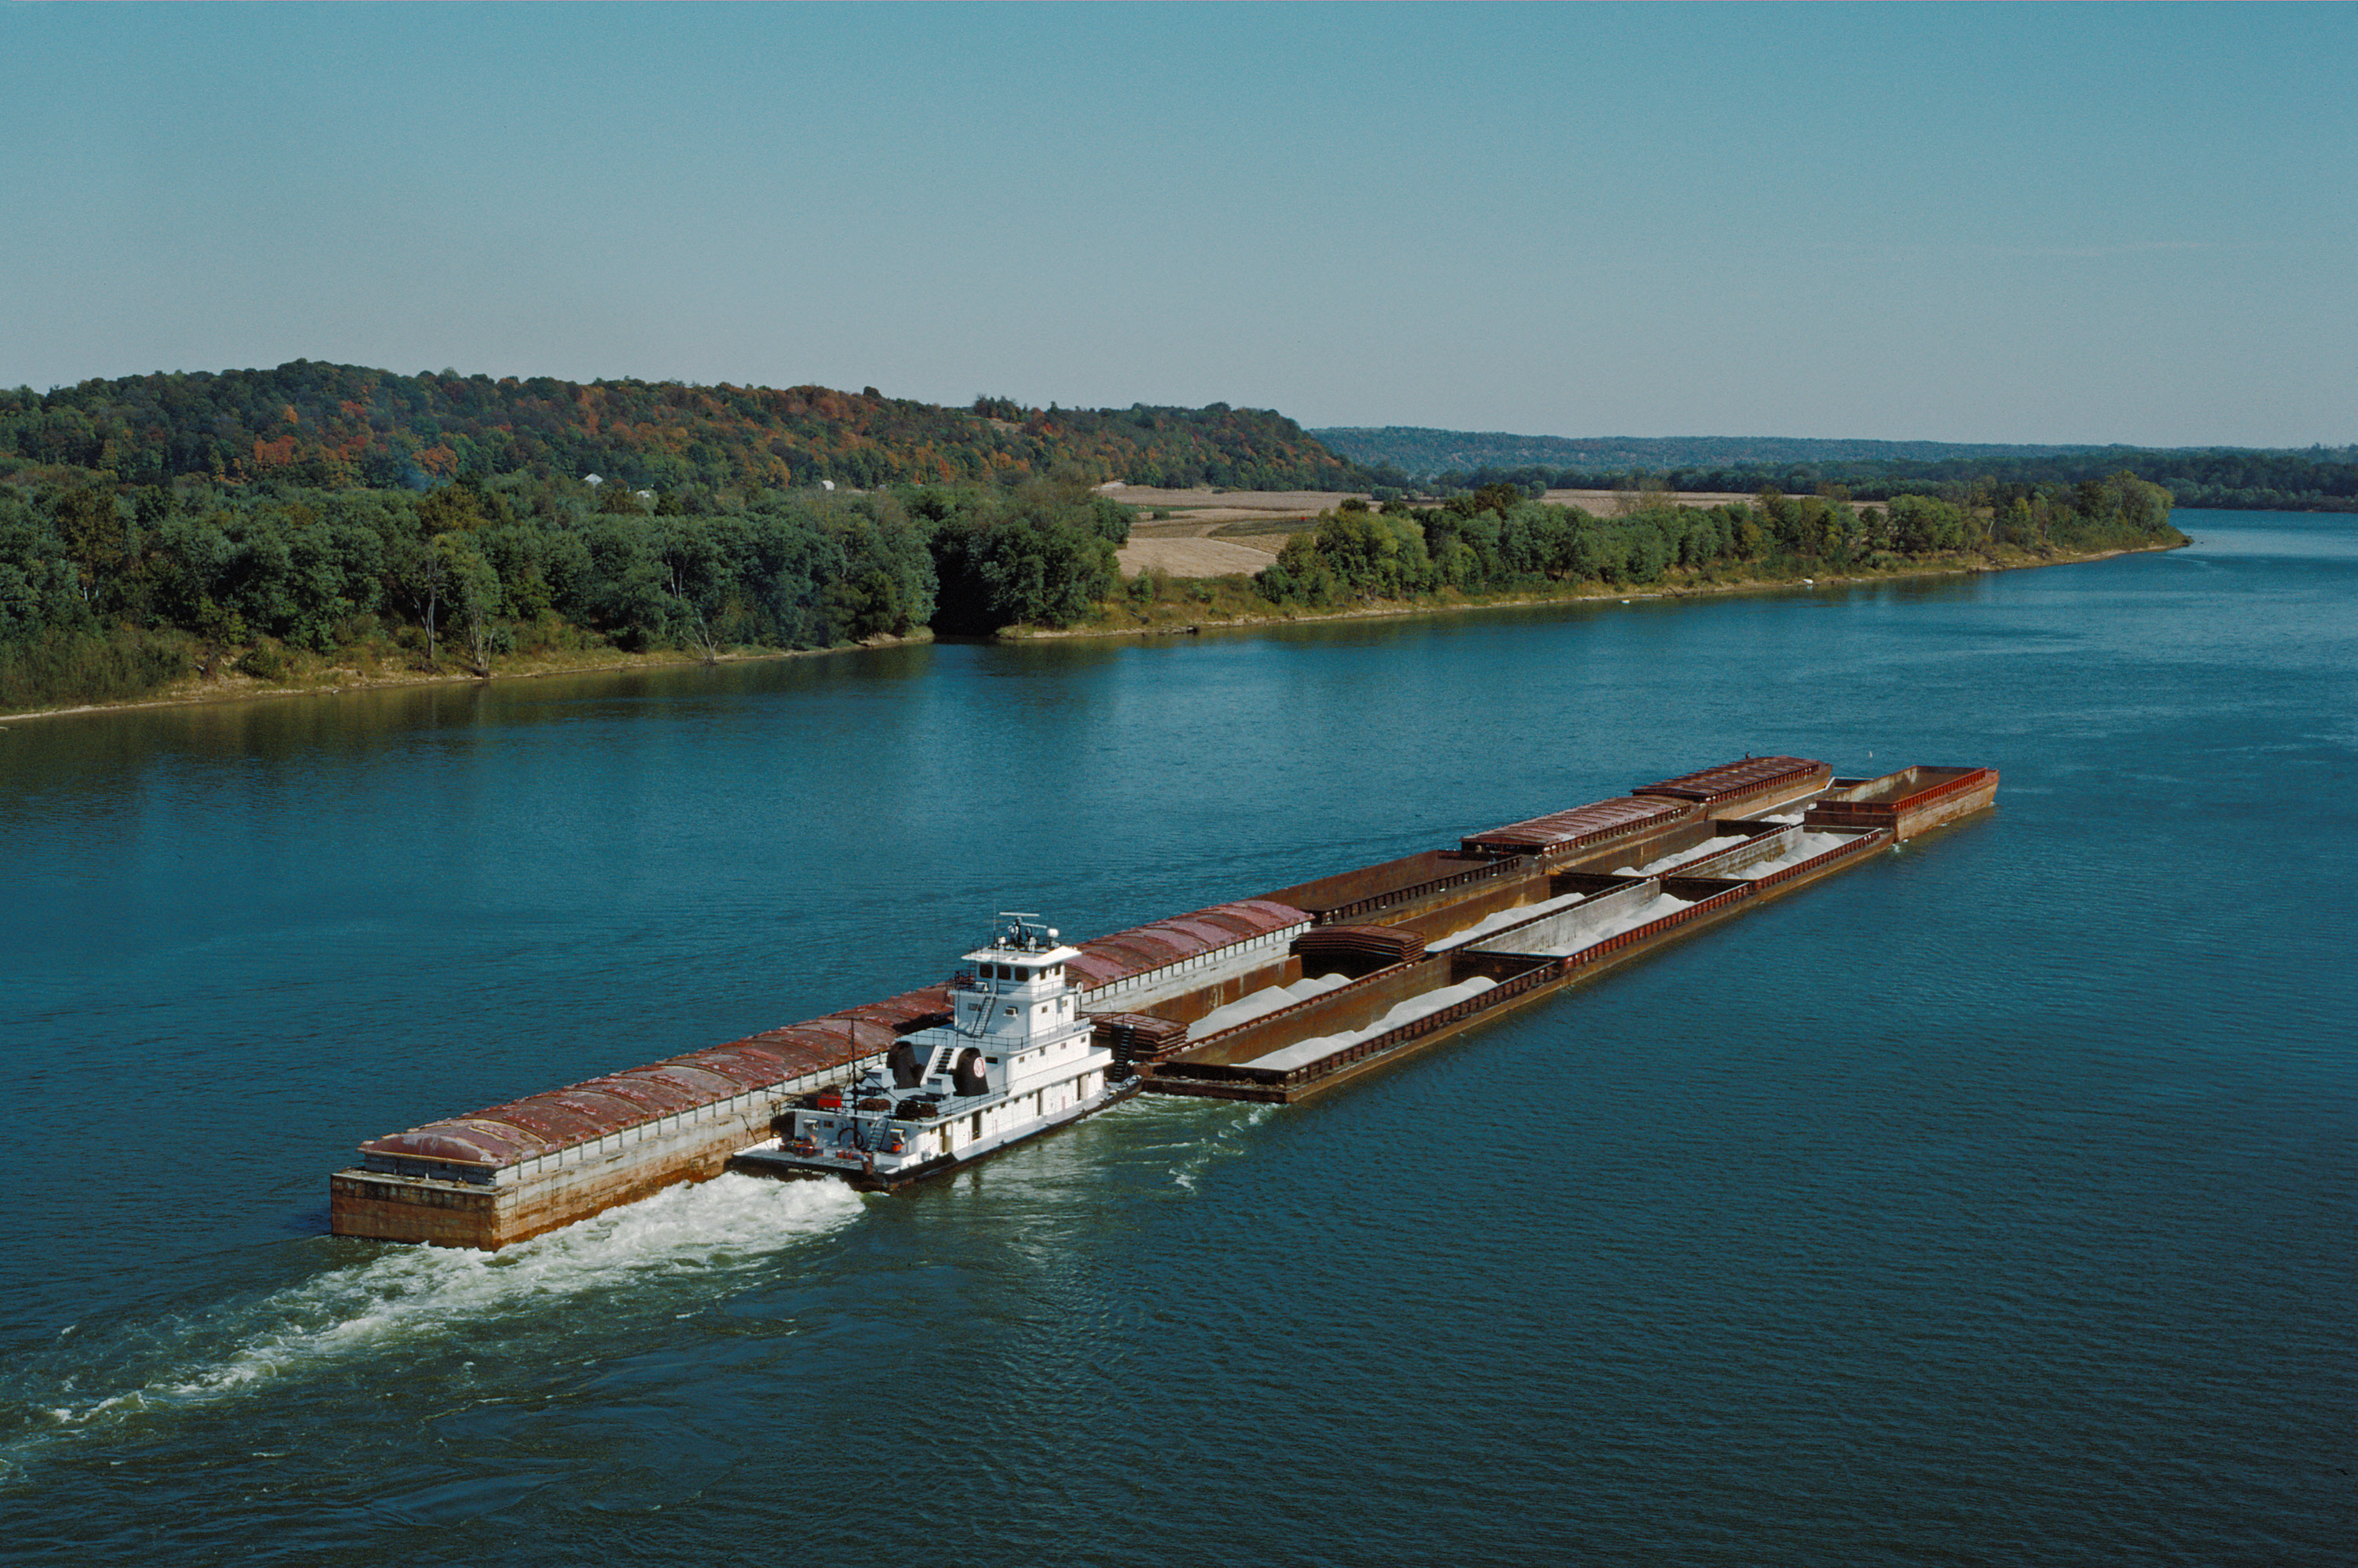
column 1271, row 999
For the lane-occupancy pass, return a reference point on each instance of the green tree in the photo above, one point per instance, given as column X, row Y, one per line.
column 93, row 536
column 473, row 589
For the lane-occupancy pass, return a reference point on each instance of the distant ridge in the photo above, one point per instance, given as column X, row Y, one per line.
column 1421, row 452
column 342, row 426
column 2310, row 479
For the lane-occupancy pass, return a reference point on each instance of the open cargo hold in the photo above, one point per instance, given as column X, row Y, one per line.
column 1369, row 1019
column 1909, row 802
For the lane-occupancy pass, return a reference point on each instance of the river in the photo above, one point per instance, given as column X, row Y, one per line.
column 1989, row 1204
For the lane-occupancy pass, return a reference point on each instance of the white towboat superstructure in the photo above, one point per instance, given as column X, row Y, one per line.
column 1017, row 1058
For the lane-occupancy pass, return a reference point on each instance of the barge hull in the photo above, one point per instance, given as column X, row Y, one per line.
column 775, row 1163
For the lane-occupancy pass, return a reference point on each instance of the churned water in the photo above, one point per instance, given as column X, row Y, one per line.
column 1989, row 1204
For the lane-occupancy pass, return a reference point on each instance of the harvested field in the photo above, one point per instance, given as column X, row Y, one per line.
column 1268, row 544
column 1252, row 525
column 1194, row 513
column 1246, row 501
column 1183, row 556
column 1276, row 530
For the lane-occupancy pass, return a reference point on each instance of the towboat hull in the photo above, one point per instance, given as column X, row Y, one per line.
column 774, row 1160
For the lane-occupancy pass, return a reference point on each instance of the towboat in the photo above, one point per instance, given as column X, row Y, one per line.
column 1017, row 1058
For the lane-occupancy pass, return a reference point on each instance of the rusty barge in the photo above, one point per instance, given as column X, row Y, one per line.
column 1270, row 998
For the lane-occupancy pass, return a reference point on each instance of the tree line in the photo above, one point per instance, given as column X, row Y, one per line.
column 1500, row 538
column 108, row 590
column 2322, row 479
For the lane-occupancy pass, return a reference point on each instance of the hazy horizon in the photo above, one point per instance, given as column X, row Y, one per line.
column 2021, row 225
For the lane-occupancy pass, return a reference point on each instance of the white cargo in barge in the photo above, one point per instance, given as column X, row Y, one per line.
column 1017, row 1058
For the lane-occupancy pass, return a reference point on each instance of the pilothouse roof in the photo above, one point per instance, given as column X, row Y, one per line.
column 1022, row 938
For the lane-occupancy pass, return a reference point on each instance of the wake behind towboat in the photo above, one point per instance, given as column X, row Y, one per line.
column 1016, row 1059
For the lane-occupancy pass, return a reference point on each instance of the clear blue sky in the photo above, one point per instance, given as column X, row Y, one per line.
column 1989, row 223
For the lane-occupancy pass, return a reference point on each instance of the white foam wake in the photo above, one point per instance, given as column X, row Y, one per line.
column 1186, row 1134
column 406, row 1295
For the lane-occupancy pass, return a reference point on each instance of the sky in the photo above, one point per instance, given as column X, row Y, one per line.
column 2018, row 223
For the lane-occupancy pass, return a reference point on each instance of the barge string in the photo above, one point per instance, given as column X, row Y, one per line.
column 1269, row 999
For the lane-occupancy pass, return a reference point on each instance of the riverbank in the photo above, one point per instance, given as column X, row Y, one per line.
column 1194, row 604
column 233, row 685
column 1199, row 602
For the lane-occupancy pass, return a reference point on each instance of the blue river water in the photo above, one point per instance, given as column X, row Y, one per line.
column 1990, row 1204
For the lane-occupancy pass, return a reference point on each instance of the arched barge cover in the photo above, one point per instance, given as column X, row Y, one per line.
column 1733, row 781
column 1144, row 948
column 1590, row 824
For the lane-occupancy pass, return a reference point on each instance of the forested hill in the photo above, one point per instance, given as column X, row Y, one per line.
column 327, row 427
column 2314, row 479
